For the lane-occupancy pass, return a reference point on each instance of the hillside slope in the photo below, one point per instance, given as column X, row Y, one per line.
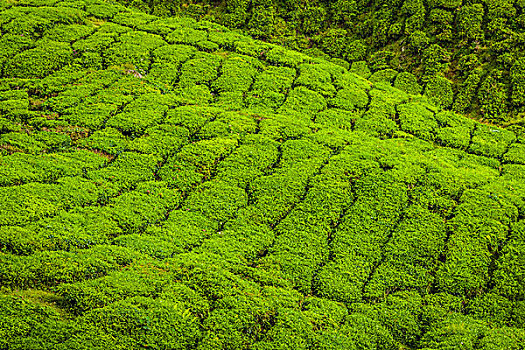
column 470, row 51
column 170, row 184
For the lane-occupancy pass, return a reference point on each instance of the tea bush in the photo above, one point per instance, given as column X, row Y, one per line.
column 169, row 183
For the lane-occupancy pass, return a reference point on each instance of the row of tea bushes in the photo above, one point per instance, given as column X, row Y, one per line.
column 174, row 184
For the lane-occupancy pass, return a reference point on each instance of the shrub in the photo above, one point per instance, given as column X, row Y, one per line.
column 24, row 322
column 517, row 73
column 187, row 36
column 23, row 168
column 281, row 56
column 515, row 154
column 40, row 61
column 175, row 54
column 182, row 230
column 509, row 267
column 338, row 118
column 492, row 95
column 138, row 280
column 170, row 183
column 467, row 93
column 399, row 314
column 278, row 79
column 237, row 74
column 410, row 256
column 417, row 120
column 217, row 200
column 469, row 21
column 229, row 124
column 201, row 69
column 304, row 101
column 264, row 100
column 408, row 83
column 350, row 99
column 108, row 140
column 454, row 331
column 491, row 141
column 439, row 90
column 386, row 75
column 361, row 68
column 317, row 78
column 133, row 48
column 456, row 276
column 127, row 170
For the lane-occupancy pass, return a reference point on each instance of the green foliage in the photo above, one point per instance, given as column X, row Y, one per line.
column 236, row 75
column 282, row 56
column 47, row 57
column 201, row 69
column 278, row 79
column 304, row 101
column 108, row 140
column 492, row 94
column 509, row 266
column 24, row 321
column 467, row 92
column 439, row 90
column 361, row 68
column 408, row 83
column 417, row 120
column 169, row 183
column 517, row 73
column 127, row 170
column 140, row 114
column 491, row 141
column 136, row 323
column 385, row 75
column 411, row 254
column 22, row 168
column 455, row 131
column 470, row 20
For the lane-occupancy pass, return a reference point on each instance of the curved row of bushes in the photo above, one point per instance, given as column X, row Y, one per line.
column 472, row 50
column 171, row 184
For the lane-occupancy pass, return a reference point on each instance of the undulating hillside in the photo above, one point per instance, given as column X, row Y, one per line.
column 470, row 52
column 171, row 184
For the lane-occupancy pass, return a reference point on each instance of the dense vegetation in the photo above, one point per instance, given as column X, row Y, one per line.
column 472, row 50
column 171, row 184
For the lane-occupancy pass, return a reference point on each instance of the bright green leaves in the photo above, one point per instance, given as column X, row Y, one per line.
column 491, row 141
column 217, row 200
column 237, row 74
column 127, row 170
column 411, row 255
column 186, row 35
column 168, row 192
column 47, row 57
column 304, row 101
column 22, row 204
column 195, row 162
column 417, row 120
column 150, row 203
column 408, row 83
column 439, row 91
column 133, row 48
column 22, row 168
column 156, row 321
column 275, row 78
column 201, row 69
column 146, row 111
column 316, row 77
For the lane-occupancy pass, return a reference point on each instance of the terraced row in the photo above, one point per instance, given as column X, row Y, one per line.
column 168, row 183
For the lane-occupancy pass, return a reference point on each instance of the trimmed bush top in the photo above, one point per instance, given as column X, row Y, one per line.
column 172, row 184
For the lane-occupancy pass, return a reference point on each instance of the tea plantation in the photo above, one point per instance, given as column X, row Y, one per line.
column 171, row 184
column 471, row 53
